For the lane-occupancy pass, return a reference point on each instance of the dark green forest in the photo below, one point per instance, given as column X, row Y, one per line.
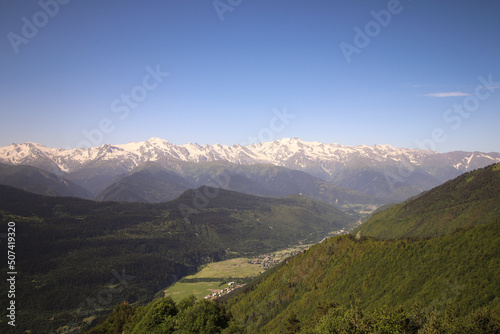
column 77, row 258
column 461, row 271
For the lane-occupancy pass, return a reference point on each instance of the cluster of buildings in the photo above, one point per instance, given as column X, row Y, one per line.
column 268, row 261
column 265, row 261
column 217, row 294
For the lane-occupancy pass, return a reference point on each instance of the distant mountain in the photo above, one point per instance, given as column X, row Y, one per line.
column 149, row 183
column 74, row 251
column 98, row 176
column 379, row 170
column 468, row 200
column 152, row 183
column 40, row 182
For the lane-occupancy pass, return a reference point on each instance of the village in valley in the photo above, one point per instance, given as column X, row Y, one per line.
column 260, row 264
column 220, row 278
column 265, row 262
column 231, row 287
column 217, row 279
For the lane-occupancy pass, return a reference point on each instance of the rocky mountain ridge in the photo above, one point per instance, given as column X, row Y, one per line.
column 279, row 152
column 378, row 170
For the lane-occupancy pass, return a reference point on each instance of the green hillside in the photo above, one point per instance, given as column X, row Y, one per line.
column 78, row 258
column 469, row 200
column 461, row 271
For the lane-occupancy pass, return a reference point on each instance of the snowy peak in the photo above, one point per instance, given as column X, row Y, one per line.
column 158, row 141
column 288, row 148
column 24, row 153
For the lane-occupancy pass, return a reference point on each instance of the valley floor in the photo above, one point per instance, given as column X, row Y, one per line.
column 219, row 278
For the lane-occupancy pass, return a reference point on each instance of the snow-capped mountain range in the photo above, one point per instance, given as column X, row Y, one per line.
column 363, row 168
column 288, row 152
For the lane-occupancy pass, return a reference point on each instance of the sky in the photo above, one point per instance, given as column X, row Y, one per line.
column 412, row 74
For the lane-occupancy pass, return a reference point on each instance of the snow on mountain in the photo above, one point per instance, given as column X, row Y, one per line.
column 289, row 152
column 278, row 151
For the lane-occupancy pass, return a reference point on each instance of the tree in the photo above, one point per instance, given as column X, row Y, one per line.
column 160, row 318
column 202, row 317
column 293, row 324
column 119, row 317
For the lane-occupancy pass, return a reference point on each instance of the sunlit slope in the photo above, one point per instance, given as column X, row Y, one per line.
column 468, row 200
column 460, row 270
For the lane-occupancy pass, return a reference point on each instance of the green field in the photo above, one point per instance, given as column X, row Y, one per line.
column 286, row 252
column 234, row 268
column 223, row 270
column 180, row 291
column 215, row 276
column 230, row 268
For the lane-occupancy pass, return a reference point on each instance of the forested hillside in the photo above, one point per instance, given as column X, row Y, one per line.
column 77, row 258
column 459, row 270
column 468, row 200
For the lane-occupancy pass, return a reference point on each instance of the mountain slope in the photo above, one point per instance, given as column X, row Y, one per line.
column 283, row 181
column 97, row 176
column 468, row 200
column 40, row 182
column 152, row 183
column 73, row 250
column 396, row 173
column 149, row 183
column 422, row 276
column 388, row 182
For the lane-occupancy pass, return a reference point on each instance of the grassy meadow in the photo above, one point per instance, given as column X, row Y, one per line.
column 213, row 277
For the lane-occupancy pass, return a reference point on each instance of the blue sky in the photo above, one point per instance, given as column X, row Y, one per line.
column 416, row 74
